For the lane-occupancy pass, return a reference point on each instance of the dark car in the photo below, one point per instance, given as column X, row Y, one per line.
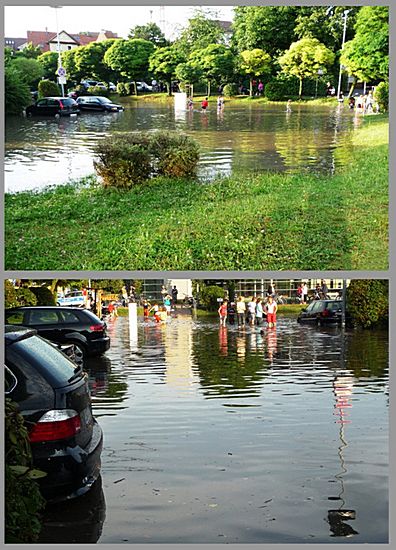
column 97, row 103
column 64, row 325
column 322, row 312
column 54, row 399
column 53, row 106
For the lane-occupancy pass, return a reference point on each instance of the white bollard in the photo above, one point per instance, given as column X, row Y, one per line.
column 133, row 326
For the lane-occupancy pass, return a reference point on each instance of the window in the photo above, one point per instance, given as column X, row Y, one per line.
column 14, row 317
column 69, row 317
column 42, row 317
column 42, row 103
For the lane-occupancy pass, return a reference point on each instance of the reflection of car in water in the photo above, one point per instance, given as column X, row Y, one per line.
column 53, row 397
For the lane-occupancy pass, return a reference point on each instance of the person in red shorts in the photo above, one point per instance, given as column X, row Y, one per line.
column 271, row 309
column 222, row 311
column 204, row 104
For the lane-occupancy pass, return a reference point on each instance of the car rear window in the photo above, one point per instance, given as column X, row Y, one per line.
column 89, row 316
column 42, row 356
column 68, row 101
column 14, row 317
column 334, row 306
column 69, row 317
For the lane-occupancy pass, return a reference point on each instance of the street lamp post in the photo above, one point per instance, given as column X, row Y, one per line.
column 58, row 46
column 345, row 17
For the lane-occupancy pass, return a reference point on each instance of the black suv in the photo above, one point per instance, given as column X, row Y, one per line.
column 64, row 325
column 53, row 397
column 53, row 106
column 322, row 312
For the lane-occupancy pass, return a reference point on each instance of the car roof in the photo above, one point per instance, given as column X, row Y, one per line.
column 13, row 333
column 63, row 308
column 54, row 97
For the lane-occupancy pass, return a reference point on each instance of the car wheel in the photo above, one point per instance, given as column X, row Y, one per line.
column 79, row 353
column 57, row 115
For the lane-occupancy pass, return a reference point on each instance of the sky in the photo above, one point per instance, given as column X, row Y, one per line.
column 119, row 19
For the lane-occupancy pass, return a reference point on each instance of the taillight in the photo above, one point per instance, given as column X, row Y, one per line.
column 96, row 328
column 325, row 313
column 61, row 104
column 54, row 425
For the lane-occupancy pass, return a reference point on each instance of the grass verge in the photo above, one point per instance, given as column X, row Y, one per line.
column 246, row 222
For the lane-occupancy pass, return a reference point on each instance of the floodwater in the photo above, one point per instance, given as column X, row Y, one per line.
column 232, row 436
column 46, row 151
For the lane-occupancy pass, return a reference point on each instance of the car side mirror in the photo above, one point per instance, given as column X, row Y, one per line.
column 304, row 309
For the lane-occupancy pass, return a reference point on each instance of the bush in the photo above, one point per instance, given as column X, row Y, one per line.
column 97, row 90
column 208, row 297
column 279, row 90
column 125, row 160
column 10, row 297
column 43, row 295
column 47, row 88
column 231, row 90
column 381, row 95
column 25, row 297
column 23, row 500
column 121, row 89
column 367, row 302
column 16, row 92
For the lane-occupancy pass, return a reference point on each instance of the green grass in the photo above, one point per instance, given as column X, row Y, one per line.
column 244, row 222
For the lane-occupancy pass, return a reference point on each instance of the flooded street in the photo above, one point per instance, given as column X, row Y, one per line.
column 231, row 436
column 46, row 151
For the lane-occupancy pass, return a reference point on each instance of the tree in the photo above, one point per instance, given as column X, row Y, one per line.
column 163, row 63
column 49, row 62
column 304, row 58
column 30, row 70
column 367, row 301
column 130, row 58
column 73, row 74
column 216, row 61
column 200, row 32
column 326, row 24
column 367, row 55
column 16, row 92
column 48, row 88
column 89, row 61
column 150, row 32
column 188, row 73
column 30, row 51
column 255, row 63
column 269, row 28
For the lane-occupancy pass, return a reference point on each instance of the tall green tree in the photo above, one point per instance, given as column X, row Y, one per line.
column 216, row 62
column 189, row 73
column 304, row 58
column 366, row 56
column 49, row 62
column 130, row 58
column 30, row 51
column 30, row 70
column 163, row 63
column 266, row 27
column 89, row 61
column 151, row 32
column 201, row 31
column 74, row 75
column 255, row 63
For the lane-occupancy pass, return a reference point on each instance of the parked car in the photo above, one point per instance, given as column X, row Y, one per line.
column 54, row 399
column 64, row 325
column 322, row 312
column 112, row 87
column 73, row 298
column 88, row 83
column 98, row 103
column 142, row 87
column 53, row 106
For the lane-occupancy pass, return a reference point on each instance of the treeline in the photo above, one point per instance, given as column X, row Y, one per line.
column 290, row 49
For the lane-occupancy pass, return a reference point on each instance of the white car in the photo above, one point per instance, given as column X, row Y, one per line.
column 74, row 298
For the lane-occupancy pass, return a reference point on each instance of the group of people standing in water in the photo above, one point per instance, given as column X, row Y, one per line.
column 254, row 312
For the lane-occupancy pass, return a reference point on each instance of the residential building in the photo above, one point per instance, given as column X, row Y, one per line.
column 47, row 40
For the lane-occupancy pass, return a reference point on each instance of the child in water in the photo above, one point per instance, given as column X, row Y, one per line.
column 288, row 106
column 204, row 104
column 222, row 311
column 190, row 103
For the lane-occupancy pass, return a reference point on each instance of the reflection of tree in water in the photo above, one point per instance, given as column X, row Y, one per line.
column 225, row 369
column 107, row 387
column 367, row 355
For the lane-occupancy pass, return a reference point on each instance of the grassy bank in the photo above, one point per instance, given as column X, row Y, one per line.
column 247, row 221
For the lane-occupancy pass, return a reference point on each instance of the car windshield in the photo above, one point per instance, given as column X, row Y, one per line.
column 68, row 101
column 104, row 100
column 334, row 306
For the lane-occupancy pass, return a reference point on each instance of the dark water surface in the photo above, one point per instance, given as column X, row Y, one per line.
column 229, row 436
column 43, row 151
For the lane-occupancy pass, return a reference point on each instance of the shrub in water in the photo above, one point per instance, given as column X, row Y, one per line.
column 124, row 160
column 47, row 88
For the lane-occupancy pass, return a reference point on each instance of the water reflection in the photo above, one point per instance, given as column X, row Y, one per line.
column 250, row 138
column 234, row 428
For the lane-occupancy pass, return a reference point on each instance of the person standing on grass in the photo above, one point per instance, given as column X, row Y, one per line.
column 271, row 309
column 324, row 289
column 222, row 311
column 259, row 312
column 241, row 311
column 304, row 289
column 251, row 311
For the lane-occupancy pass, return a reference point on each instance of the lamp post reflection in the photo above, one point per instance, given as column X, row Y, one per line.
column 342, row 387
